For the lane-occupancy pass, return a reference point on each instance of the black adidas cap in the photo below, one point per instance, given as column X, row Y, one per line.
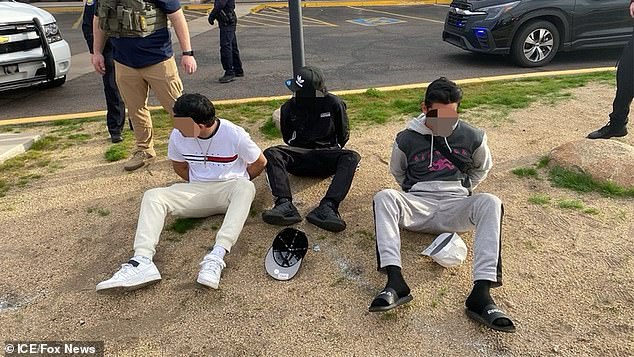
column 307, row 78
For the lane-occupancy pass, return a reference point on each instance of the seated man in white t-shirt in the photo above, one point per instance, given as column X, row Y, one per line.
column 217, row 159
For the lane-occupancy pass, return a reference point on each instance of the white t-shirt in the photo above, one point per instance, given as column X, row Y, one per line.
column 230, row 151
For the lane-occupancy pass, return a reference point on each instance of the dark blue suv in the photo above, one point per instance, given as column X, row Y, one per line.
column 532, row 31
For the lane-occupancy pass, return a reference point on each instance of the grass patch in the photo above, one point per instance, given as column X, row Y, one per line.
column 539, row 199
column 116, row 152
column 543, row 161
column 79, row 137
column 376, row 115
column 582, row 182
column 269, row 130
column 182, row 225
column 46, row 143
column 374, row 93
column 4, row 187
column 519, row 94
column 591, row 210
column 525, row 172
column 571, row 204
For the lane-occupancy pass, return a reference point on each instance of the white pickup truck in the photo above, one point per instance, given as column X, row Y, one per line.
column 32, row 50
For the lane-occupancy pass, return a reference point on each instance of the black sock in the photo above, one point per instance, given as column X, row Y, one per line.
column 479, row 297
column 396, row 281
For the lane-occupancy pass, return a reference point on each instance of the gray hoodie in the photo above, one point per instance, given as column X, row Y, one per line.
column 419, row 167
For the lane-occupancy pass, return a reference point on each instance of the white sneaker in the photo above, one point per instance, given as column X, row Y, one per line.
column 210, row 270
column 136, row 273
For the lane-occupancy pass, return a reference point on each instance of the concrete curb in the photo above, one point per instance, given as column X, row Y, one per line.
column 17, row 149
column 49, row 118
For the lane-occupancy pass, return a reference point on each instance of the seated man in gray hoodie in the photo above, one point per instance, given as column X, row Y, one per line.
column 437, row 162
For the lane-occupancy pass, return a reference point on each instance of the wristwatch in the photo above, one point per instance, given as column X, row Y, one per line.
column 188, row 53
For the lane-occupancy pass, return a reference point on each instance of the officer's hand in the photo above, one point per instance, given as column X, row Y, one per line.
column 632, row 9
column 189, row 64
column 210, row 19
column 99, row 63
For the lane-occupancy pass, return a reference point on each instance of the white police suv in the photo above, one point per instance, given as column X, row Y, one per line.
column 32, row 50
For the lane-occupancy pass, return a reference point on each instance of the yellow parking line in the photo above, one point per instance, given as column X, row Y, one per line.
column 193, row 13
column 78, row 21
column 275, row 14
column 263, row 17
column 63, row 9
column 320, row 21
column 395, row 14
column 256, row 22
column 277, row 10
column 304, row 17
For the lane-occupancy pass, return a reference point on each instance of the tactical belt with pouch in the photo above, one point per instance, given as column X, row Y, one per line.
column 227, row 17
column 129, row 18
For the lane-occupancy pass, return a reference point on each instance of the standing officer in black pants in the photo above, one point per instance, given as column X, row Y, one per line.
column 115, row 118
column 314, row 125
column 224, row 12
column 617, row 126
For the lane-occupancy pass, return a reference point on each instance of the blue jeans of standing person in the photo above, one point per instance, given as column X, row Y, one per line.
column 624, row 87
column 229, row 53
column 115, row 119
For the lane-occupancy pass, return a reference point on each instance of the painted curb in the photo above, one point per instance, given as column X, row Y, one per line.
column 18, row 149
column 49, row 118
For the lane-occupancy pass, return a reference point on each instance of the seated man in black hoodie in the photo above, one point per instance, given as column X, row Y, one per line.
column 314, row 124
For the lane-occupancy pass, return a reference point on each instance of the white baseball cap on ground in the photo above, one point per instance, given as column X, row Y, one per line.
column 448, row 250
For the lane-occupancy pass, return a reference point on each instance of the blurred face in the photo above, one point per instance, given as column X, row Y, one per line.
column 441, row 118
column 187, row 127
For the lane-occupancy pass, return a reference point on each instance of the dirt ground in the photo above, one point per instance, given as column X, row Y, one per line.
column 568, row 275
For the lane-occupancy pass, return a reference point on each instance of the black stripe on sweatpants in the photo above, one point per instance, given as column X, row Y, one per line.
column 499, row 267
column 376, row 238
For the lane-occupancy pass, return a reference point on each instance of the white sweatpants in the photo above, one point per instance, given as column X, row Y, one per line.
column 394, row 209
column 198, row 199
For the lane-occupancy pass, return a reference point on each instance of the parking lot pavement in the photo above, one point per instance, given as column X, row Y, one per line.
column 358, row 47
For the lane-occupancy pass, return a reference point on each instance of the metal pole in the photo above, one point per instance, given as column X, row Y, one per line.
column 297, row 34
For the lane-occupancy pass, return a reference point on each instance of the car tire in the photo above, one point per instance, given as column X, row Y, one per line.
column 55, row 83
column 535, row 44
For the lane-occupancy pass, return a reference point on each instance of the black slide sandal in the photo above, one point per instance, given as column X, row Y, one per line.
column 390, row 296
column 489, row 315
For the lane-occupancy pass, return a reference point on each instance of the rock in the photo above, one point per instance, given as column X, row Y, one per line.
column 275, row 117
column 603, row 160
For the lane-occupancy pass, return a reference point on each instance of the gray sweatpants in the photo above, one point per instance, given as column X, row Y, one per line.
column 394, row 209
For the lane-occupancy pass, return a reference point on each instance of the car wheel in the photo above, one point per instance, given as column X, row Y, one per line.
column 55, row 83
column 535, row 44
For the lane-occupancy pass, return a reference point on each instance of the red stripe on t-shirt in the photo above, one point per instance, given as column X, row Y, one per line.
column 222, row 159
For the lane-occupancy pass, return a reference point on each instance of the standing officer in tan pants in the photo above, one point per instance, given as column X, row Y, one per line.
column 144, row 59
